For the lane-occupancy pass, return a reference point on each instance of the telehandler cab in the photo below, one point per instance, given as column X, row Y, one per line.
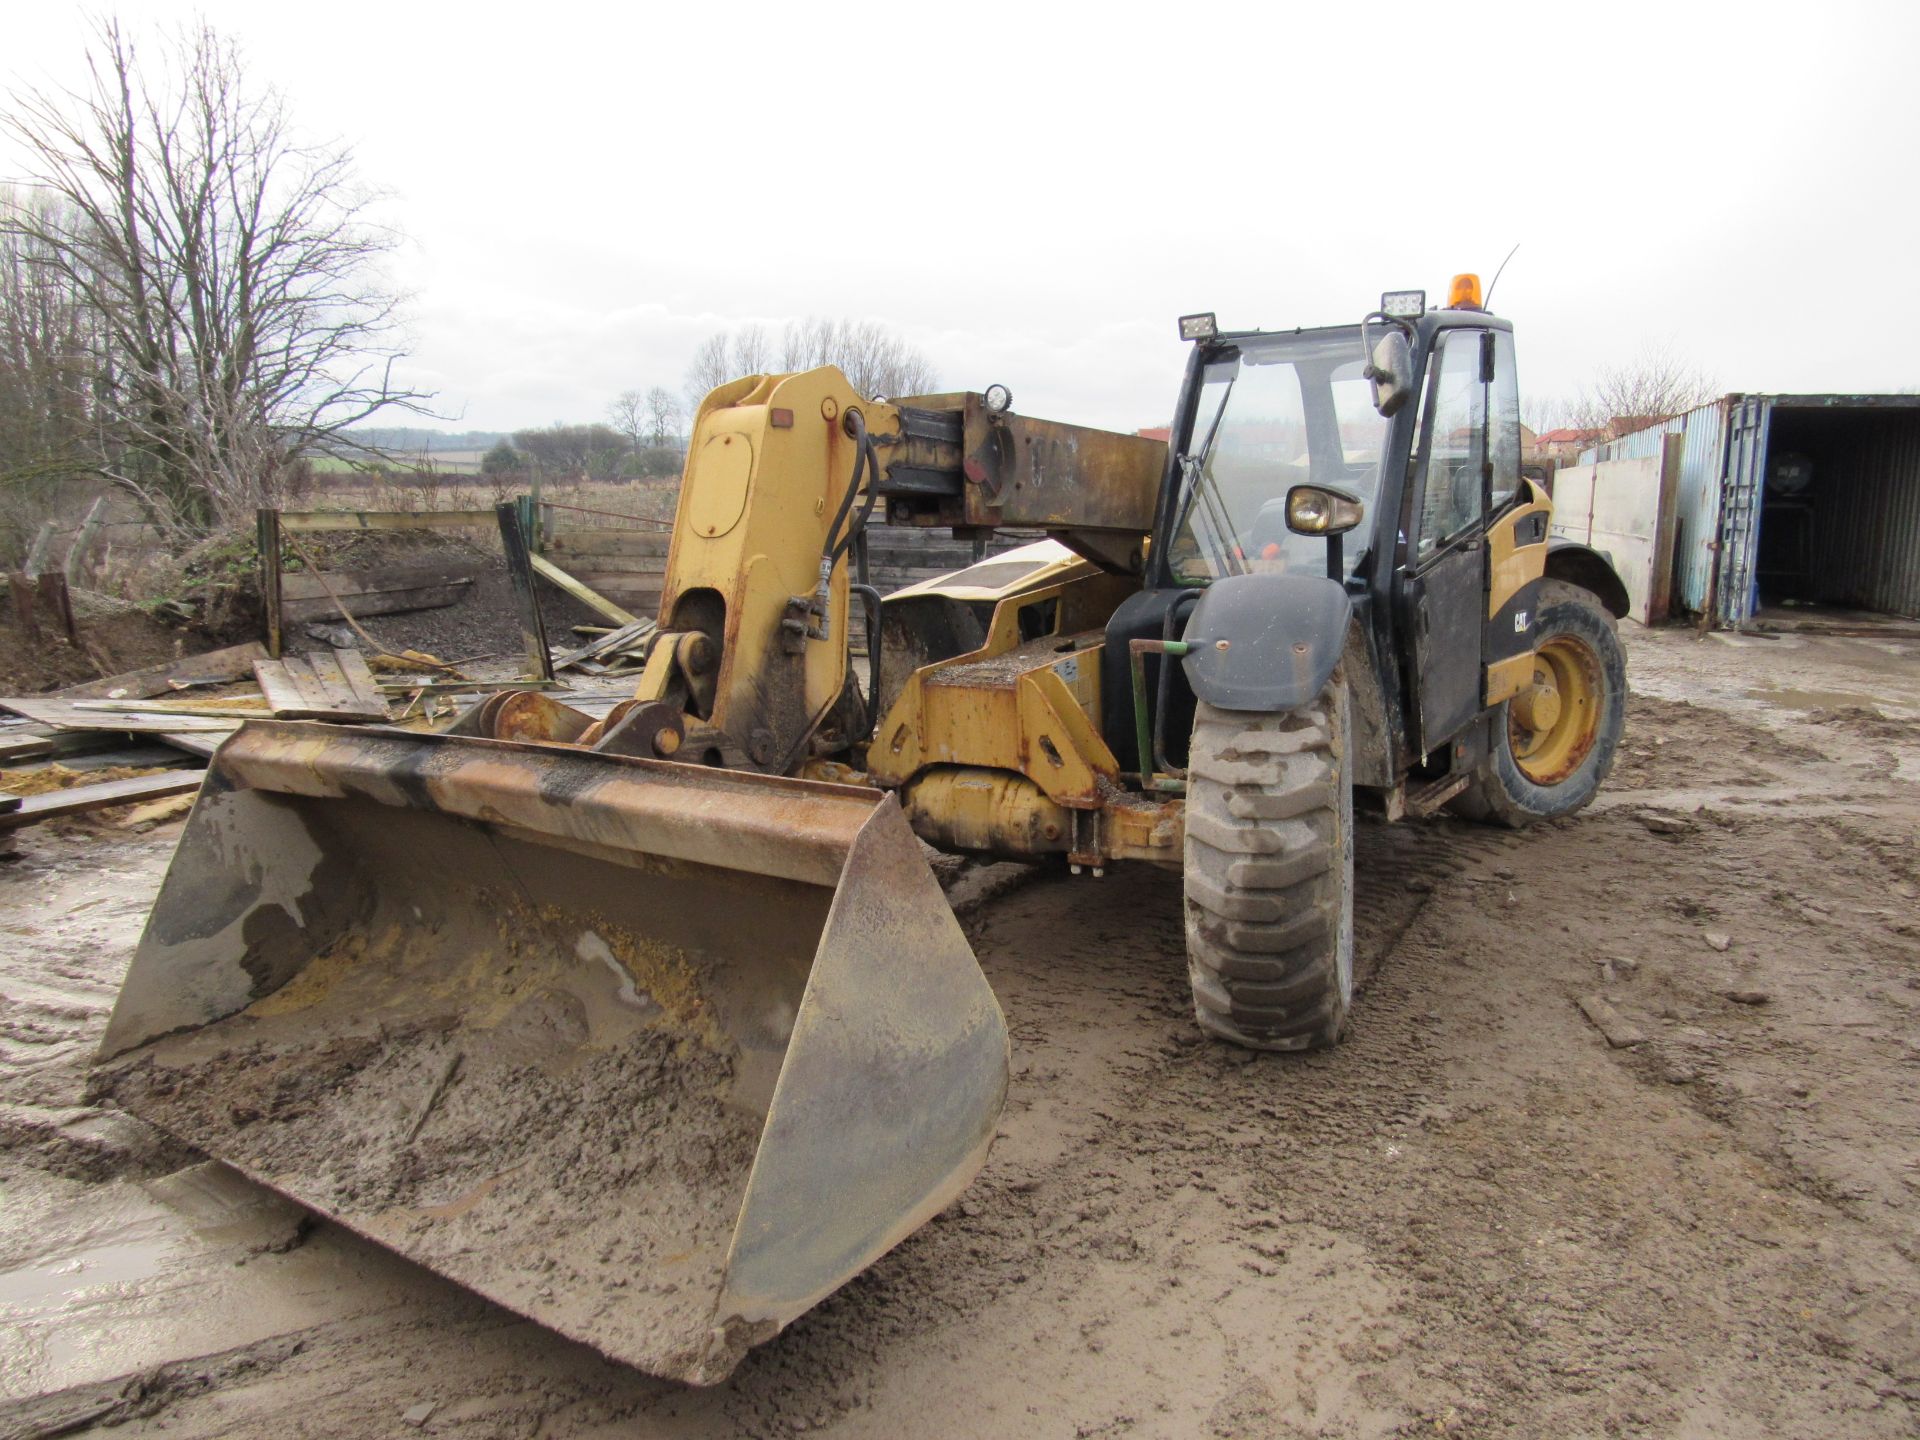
column 656, row 1027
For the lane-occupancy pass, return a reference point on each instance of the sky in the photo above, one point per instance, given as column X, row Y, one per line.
column 1032, row 194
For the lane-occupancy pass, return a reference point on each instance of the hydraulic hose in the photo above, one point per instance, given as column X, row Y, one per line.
column 867, row 465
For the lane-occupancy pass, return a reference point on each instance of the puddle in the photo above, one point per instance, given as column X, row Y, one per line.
column 129, row 1276
column 54, row 1283
column 1812, row 699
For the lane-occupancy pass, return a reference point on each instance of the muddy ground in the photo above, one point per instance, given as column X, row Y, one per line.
column 1476, row 1217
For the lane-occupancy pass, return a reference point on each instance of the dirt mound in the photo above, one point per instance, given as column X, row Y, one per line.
column 109, row 644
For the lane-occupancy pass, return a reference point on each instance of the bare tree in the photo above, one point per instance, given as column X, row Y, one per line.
column 628, row 413
column 874, row 359
column 752, row 353
column 231, row 271
column 1655, row 385
column 663, row 416
column 711, row 365
column 48, row 433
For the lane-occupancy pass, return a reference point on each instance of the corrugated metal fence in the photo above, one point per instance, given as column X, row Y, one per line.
column 1697, row 505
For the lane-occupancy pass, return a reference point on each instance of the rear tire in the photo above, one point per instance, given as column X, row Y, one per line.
column 1521, row 781
column 1269, row 874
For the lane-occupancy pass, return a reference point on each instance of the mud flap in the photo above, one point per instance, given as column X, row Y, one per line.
column 656, row 1055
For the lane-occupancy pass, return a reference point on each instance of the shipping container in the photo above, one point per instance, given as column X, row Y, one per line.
column 1793, row 501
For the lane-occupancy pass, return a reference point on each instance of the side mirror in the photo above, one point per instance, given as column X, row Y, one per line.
column 1390, row 371
column 1322, row 510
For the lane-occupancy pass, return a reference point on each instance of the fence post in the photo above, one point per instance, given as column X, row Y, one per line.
column 268, row 522
column 83, row 542
column 533, row 630
column 54, row 596
column 21, row 589
column 528, row 513
column 37, row 552
column 536, row 519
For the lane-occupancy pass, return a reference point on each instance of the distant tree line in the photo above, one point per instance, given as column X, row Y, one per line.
column 593, row 452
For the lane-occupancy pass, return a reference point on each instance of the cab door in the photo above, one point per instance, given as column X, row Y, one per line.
column 1444, row 578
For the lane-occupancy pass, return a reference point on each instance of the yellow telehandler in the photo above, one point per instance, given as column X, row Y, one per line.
column 657, row 1028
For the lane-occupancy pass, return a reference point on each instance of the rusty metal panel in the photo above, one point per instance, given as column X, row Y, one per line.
column 1043, row 473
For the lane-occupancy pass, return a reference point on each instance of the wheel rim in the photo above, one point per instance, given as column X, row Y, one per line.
column 1551, row 725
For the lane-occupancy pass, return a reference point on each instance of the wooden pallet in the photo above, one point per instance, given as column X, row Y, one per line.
column 321, row 687
column 77, row 800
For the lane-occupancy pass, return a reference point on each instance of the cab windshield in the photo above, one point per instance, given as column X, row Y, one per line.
column 1274, row 412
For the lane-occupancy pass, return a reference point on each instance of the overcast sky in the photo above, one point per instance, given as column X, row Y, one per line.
column 1031, row 194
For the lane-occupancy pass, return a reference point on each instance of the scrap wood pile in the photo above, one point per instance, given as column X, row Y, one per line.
column 621, row 650
column 145, row 736
column 142, row 738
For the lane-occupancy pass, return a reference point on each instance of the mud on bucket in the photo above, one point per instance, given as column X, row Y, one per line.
column 658, row 1056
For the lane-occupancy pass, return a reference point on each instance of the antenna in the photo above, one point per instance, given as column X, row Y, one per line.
column 1487, row 304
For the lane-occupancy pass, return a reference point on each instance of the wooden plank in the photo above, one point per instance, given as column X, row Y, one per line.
column 267, row 546
column 609, row 564
column 124, row 752
column 308, row 521
column 351, row 584
column 233, row 663
column 290, row 687
column 57, row 745
column 603, row 644
column 326, row 671
column 201, row 745
column 283, row 692
column 385, row 602
column 157, row 706
column 585, row 594
column 640, row 600
column 520, row 570
column 79, row 799
column 314, row 687
column 66, row 715
column 623, row 542
column 360, row 682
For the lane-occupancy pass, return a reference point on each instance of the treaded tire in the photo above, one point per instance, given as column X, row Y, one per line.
column 1269, row 874
column 1499, row 794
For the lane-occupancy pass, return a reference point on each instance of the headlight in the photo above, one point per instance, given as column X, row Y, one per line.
column 1316, row 510
column 1199, row 327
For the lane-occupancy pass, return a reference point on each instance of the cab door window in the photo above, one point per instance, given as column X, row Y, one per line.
column 1503, row 424
column 1453, row 446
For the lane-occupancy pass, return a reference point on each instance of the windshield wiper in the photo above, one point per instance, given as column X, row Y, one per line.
column 1199, row 477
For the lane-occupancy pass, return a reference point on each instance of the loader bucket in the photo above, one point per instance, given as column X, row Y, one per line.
column 654, row 1054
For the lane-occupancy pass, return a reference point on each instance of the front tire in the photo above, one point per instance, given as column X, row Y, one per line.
column 1553, row 745
column 1269, row 874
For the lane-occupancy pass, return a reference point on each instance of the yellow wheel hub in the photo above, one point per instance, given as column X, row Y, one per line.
column 1552, row 723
